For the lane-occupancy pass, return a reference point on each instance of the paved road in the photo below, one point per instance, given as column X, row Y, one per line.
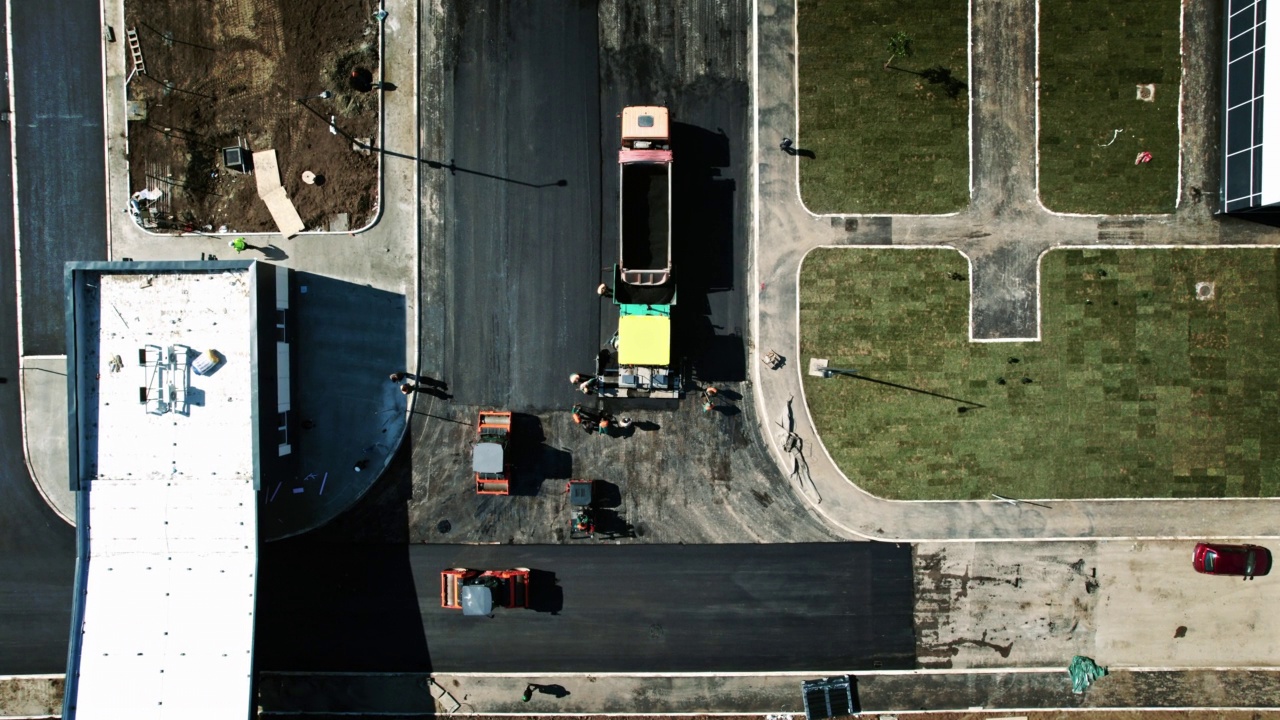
column 37, row 550
column 693, row 58
column 536, row 98
column 523, row 252
column 603, row 609
column 57, row 85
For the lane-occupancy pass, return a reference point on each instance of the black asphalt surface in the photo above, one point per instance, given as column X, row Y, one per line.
column 535, row 100
column 523, row 251
column 37, row 549
column 693, row 59
column 655, row 608
column 57, row 82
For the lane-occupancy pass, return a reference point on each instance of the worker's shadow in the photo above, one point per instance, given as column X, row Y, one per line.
column 556, row 691
column 724, row 397
column 545, row 593
column 273, row 253
column 727, row 410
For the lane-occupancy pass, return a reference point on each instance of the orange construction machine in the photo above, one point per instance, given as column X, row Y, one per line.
column 490, row 460
column 475, row 592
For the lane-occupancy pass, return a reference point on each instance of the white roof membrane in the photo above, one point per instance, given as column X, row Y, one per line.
column 172, row 562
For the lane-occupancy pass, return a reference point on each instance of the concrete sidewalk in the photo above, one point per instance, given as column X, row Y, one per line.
column 734, row 694
column 414, row 694
column 1003, row 215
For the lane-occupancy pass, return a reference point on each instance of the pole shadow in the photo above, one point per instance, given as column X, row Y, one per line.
column 857, row 376
column 451, row 166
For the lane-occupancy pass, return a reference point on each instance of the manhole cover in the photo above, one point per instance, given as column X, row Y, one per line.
column 1205, row 290
column 444, row 526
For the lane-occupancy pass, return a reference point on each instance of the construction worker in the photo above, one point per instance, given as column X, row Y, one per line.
column 587, row 385
column 708, row 394
column 577, row 414
column 575, row 378
column 604, row 291
column 624, row 422
column 603, row 427
column 238, row 245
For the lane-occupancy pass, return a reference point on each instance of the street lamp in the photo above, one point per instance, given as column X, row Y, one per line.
column 324, row 95
column 830, row 371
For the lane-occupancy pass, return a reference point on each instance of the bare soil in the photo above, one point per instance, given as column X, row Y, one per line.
column 987, row 715
column 219, row 74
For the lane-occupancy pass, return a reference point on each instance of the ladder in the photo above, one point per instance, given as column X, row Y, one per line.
column 135, row 49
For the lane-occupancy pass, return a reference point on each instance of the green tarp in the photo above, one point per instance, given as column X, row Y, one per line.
column 1083, row 672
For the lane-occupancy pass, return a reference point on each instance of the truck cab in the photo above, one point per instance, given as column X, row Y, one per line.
column 644, row 176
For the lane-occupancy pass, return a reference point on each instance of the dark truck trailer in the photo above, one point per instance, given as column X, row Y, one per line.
column 644, row 176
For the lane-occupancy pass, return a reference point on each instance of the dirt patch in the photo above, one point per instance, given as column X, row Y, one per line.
column 31, row 696
column 997, row 605
column 677, row 476
column 222, row 74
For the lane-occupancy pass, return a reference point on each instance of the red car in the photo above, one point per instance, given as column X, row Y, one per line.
column 1247, row 561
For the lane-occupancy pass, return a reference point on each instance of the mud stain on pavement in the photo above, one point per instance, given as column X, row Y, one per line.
column 1001, row 605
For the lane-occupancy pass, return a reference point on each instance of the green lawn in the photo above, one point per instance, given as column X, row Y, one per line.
column 885, row 141
column 1137, row 389
column 1093, row 56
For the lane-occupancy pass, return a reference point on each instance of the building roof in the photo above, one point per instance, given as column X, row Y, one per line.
column 167, row 462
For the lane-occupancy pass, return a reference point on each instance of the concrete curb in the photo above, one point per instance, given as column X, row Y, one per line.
column 26, row 448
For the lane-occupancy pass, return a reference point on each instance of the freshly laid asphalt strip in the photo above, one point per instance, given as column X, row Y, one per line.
column 58, row 129
column 37, row 549
column 644, row 608
column 522, row 222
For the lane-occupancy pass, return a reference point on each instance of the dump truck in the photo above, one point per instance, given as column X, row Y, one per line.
column 476, row 592
column 644, row 288
column 490, row 459
column 644, row 189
